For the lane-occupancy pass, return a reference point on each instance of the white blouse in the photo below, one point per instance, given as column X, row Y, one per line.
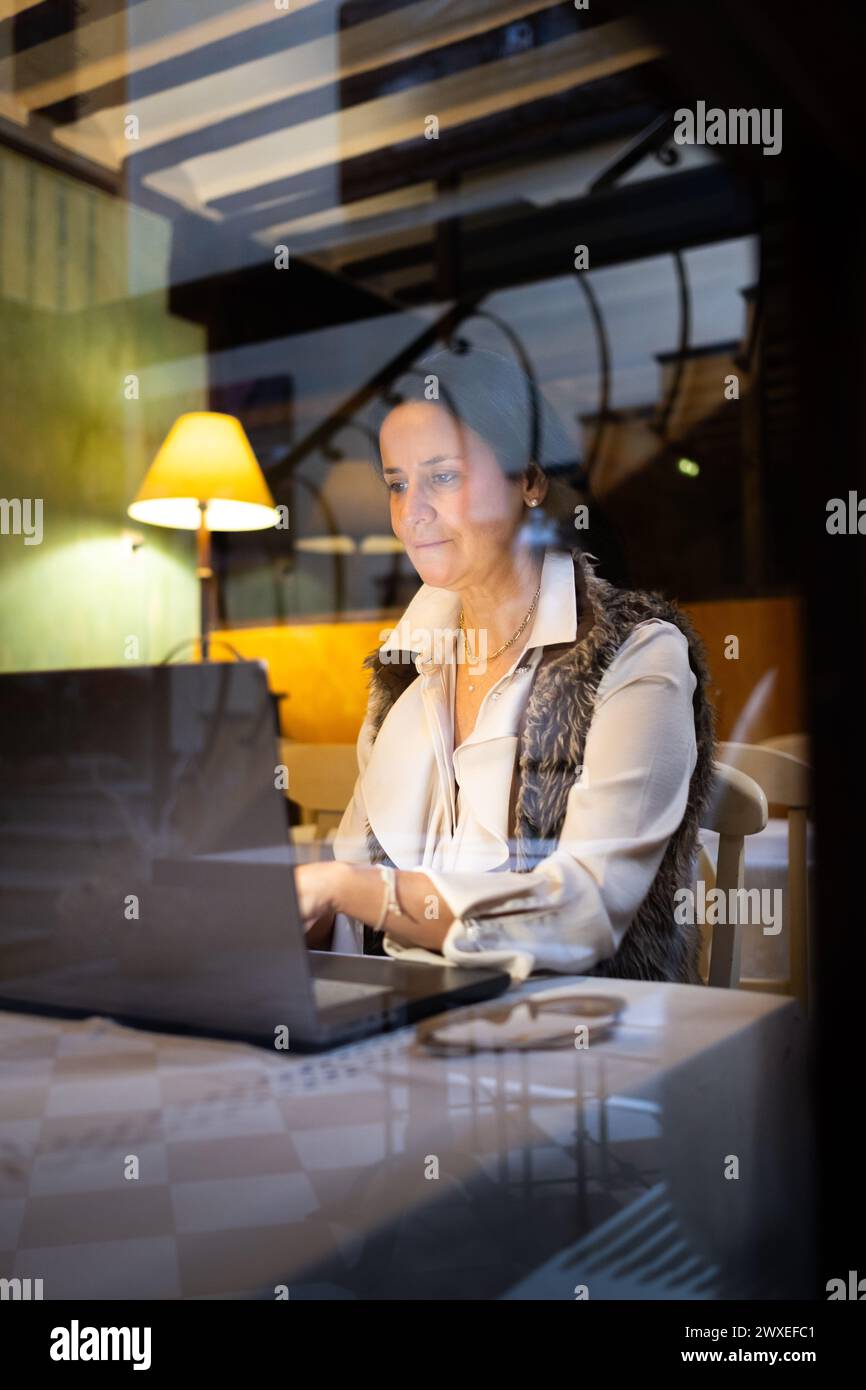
column 573, row 909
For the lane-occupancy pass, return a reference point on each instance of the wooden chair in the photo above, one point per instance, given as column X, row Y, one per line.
column 322, row 779
column 796, row 744
column 786, row 783
column 738, row 808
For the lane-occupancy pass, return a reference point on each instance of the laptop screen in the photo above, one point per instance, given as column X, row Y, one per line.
column 145, row 868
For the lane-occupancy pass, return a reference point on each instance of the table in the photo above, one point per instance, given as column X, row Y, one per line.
column 264, row 1175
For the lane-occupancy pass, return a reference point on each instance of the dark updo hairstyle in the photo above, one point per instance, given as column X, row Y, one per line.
column 492, row 395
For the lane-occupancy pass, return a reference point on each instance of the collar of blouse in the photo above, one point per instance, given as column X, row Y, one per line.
column 402, row 762
column 429, row 623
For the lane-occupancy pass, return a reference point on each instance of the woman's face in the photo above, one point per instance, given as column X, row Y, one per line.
column 451, row 504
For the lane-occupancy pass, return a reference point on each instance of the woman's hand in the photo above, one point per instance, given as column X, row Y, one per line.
column 317, row 887
column 323, row 889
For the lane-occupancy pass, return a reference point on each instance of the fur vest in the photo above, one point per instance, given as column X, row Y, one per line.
column 551, row 739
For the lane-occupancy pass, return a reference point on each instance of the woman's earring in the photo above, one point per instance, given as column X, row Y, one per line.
column 532, row 502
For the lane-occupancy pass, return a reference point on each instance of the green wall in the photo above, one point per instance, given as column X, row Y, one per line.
column 71, row 332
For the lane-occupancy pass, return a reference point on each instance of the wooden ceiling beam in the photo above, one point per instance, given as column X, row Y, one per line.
column 672, row 212
column 548, row 126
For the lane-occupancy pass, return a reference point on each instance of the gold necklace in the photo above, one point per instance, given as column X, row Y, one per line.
column 505, row 645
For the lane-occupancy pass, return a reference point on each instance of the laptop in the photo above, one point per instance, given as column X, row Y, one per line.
column 146, row 870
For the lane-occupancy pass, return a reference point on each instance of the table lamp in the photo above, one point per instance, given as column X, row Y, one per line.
column 205, row 478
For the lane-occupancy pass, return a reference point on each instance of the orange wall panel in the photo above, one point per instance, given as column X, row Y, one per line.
column 761, row 693
column 319, row 668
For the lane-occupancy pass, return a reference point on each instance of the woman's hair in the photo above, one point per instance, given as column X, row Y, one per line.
column 494, row 396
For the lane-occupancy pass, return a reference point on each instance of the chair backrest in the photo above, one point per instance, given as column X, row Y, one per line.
column 321, row 779
column 797, row 745
column 784, row 778
column 787, row 783
column 737, row 807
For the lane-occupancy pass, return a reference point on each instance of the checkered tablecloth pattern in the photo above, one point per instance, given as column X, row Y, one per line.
column 231, row 1149
column 258, row 1170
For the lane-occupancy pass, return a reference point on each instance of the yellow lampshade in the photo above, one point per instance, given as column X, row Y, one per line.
column 205, row 459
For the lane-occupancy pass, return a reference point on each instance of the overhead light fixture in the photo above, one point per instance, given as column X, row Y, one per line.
column 353, row 505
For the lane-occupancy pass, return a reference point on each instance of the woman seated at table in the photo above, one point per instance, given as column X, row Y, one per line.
column 537, row 748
